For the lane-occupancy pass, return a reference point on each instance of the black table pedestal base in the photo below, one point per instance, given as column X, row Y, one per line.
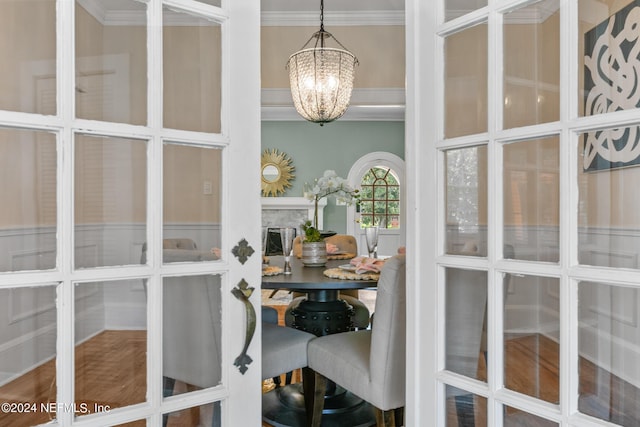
column 284, row 407
column 323, row 317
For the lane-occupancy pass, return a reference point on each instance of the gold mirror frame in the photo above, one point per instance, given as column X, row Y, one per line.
column 282, row 181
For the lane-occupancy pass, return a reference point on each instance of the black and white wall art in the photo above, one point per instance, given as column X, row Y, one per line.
column 612, row 83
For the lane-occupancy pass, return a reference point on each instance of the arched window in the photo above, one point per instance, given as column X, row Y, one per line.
column 380, row 198
column 380, row 177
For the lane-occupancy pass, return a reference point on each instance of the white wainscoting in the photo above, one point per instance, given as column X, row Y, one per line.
column 116, row 305
column 610, row 316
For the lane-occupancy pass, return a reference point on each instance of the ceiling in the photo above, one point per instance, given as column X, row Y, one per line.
column 336, row 12
column 274, row 12
column 331, row 5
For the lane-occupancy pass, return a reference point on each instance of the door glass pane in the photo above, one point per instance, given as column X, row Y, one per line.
column 532, row 336
column 609, row 373
column 609, row 198
column 28, row 359
column 191, row 347
column 606, row 53
column 28, row 52
column 465, row 408
column 517, row 418
column 28, row 167
column 192, row 203
column 466, row 317
column 110, row 200
column 191, row 72
column 465, row 90
column 211, row 2
column 532, row 64
column 139, row 423
column 110, row 345
column 532, row 200
column 456, row 8
column 201, row 416
column 466, row 201
column 111, row 62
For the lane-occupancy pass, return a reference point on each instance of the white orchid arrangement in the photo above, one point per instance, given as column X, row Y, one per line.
column 330, row 184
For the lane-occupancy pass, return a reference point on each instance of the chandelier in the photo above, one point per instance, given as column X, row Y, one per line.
column 321, row 78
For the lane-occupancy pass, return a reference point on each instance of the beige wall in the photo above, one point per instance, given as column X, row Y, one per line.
column 35, row 22
column 186, row 170
column 380, row 52
column 607, row 196
column 531, row 185
column 110, row 174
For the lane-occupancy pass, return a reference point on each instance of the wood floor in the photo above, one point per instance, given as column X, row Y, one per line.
column 111, row 370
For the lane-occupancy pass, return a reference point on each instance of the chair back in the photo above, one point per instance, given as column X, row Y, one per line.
column 179, row 243
column 192, row 323
column 344, row 242
column 388, row 340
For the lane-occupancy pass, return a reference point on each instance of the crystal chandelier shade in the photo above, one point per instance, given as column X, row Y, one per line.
column 321, row 78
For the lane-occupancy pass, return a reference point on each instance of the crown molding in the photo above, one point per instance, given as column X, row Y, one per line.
column 133, row 17
column 384, row 104
column 338, row 19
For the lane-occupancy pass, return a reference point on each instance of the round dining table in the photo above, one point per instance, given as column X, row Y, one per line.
column 322, row 312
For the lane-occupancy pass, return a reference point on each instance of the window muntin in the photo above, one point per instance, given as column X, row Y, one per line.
column 379, row 198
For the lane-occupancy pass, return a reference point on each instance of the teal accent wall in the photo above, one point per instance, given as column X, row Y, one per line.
column 338, row 145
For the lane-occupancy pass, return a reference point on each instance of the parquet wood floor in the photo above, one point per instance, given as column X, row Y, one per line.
column 111, row 370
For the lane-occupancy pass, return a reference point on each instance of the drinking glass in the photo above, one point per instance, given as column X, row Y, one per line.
column 371, row 234
column 286, row 237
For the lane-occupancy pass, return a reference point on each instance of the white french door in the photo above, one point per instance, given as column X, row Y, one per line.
column 527, row 241
column 131, row 181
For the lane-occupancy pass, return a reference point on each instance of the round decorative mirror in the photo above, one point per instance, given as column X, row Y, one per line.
column 276, row 172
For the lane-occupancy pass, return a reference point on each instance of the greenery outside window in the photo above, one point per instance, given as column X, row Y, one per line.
column 379, row 198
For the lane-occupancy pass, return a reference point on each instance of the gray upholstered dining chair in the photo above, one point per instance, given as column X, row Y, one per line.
column 369, row 363
column 283, row 349
column 345, row 243
column 192, row 325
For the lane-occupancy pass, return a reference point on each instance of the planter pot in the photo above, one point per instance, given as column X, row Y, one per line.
column 314, row 254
